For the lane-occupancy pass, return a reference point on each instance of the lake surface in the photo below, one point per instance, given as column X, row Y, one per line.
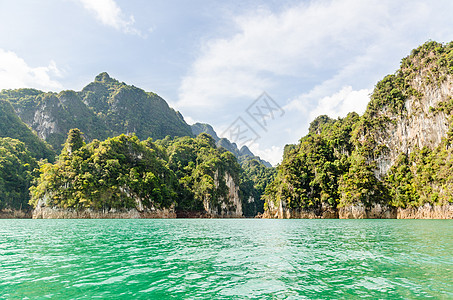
column 226, row 259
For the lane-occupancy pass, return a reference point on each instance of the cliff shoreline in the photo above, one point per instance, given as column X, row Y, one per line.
column 359, row 211
column 15, row 214
column 58, row 213
column 426, row 211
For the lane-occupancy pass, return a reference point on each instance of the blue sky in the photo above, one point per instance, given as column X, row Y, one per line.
column 211, row 59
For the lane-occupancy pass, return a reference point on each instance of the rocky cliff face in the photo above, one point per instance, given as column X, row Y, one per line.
column 58, row 213
column 43, row 211
column 283, row 212
column 104, row 108
column 394, row 161
column 229, row 206
column 12, row 126
column 418, row 126
column 15, row 214
column 427, row 211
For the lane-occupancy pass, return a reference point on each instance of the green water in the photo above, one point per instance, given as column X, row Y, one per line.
column 226, row 259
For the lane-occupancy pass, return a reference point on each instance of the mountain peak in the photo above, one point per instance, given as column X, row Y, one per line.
column 103, row 77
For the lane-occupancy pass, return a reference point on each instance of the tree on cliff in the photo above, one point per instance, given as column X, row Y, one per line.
column 75, row 140
column 123, row 171
column 16, row 174
column 337, row 162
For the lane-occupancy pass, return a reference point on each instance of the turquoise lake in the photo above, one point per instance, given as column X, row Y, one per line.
column 226, row 259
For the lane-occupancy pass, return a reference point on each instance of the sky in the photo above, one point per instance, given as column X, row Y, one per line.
column 258, row 71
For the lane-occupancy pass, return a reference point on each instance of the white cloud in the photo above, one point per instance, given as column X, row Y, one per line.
column 323, row 57
column 189, row 120
column 268, row 45
column 341, row 103
column 272, row 154
column 16, row 73
column 110, row 14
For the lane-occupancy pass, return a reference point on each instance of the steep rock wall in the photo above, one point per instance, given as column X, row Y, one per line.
column 282, row 212
column 359, row 211
column 419, row 126
column 15, row 214
column 59, row 213
column 427, row 211
column 229, row 206
column 43, row 211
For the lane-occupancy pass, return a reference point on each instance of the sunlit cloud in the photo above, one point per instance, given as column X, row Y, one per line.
column 110, row 14
column 331, row 52
column 342, row 103
column 16, row 73
column 272, row 154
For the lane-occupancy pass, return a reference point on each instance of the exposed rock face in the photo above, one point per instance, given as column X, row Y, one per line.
column 42, row 211
column 229, row 207
column 233, row 197
column 43, row 123
column 12, row 126
column 59, row 213
column 418, row 126
column 15, row 214
column 359, row 211
column 325, row 212
column 427, row 211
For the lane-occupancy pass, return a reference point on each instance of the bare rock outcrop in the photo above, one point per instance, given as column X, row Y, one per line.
column 229, row 206
column 419, row 126
column 427, row 211
column 59, row 213
column 15, row 214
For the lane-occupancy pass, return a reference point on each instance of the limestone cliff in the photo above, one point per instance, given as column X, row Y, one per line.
column 417, row 125
column 59, row 213
column 228, row 205
column 104, row 108
column 13, row 127
column 394, row 161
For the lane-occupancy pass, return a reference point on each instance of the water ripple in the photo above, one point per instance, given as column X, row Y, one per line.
column 226, row 259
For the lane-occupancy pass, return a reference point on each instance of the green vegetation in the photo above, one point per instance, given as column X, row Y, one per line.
column 336, row 163
column 189, row 174
column 103, row 175
column 426, row 176
column 16, row 174
column 310, row 174
column 200, row 168
column 11, row 126
column 254, row 180
column 104, row 108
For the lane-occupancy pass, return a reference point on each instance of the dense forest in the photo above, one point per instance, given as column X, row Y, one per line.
column 363, row 160
column 104, row 108
column 98, row 172
column 137, row 153
column 17, row 170
column 187, row 174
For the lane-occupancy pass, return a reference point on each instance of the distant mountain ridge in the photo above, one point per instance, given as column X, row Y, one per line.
column 240, row 154
column 12, row 127
column 104, row 108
